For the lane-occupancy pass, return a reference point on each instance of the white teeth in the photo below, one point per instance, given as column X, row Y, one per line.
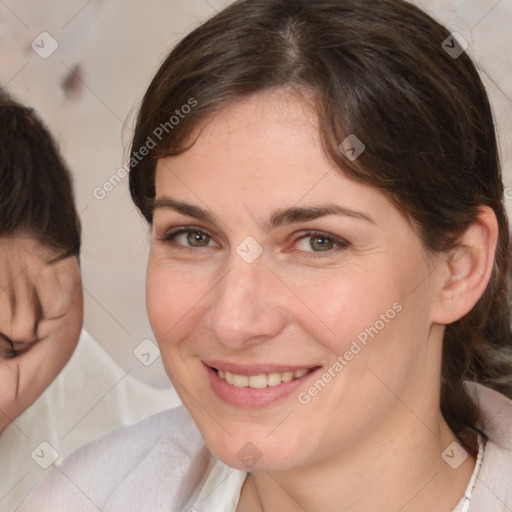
column 287, row 376
column 262, row 380
column 240, row 381
column 273, row 379
column 258, row 381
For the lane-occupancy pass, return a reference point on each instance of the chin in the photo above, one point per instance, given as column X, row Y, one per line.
column 248, row 459
column 259, row 455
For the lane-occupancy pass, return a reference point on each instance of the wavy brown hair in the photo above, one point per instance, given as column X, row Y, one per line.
column 378, row 70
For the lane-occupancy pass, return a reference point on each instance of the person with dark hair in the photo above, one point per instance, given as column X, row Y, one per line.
column 41, row 306
column 41, row 312
column 41, row 303
column 328, row 277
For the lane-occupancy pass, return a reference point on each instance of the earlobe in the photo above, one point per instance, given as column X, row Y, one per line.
column 468, row 269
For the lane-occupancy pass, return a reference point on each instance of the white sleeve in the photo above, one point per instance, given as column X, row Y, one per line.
column 155, row 464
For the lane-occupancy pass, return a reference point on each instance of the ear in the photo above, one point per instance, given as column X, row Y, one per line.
column 468, row 269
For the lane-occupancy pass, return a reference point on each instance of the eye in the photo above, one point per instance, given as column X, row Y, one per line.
column 194, row 239
column 320, row 242
column 189, row 237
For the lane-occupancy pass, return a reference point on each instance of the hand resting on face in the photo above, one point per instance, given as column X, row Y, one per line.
column 40, row 319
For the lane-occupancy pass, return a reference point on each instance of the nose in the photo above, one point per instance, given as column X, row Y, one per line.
column 247, row 306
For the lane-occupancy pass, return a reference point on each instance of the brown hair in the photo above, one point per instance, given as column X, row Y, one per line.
column 378, row 70
column 36, row 195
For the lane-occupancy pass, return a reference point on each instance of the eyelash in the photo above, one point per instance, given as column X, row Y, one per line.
column 171, row 235
column 340, row 243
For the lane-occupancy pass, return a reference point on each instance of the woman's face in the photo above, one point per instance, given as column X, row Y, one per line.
column 268, row 264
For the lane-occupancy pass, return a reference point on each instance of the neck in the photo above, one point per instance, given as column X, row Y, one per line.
column 394, row 469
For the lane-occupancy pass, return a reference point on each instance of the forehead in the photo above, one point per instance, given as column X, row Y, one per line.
column 260, row 153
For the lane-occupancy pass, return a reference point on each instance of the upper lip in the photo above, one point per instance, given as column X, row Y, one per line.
column 255, row 369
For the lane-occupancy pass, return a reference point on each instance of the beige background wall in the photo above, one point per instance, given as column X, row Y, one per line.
column 107, row 52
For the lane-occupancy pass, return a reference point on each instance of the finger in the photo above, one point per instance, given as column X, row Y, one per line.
column 19, row 307
column 59, row 288
column 26, row 311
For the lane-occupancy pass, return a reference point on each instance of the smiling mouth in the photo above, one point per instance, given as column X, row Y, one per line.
column 261, row 380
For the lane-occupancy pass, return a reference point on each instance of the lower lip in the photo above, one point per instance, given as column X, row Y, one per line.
column 250, row 397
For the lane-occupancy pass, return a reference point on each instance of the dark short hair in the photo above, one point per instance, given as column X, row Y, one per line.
column 36, row 195
column 384, row 71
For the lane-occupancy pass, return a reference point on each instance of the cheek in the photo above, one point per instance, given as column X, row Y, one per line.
column 174, row 301
column 375, row 323
column 345, row 305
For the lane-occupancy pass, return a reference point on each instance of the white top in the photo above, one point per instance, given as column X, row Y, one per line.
column 161, row 464
column 465, row 501
column 91, row 396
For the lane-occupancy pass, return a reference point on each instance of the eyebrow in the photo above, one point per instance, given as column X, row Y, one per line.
column 278, row 218
column 304, row 214
column 167, row 203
